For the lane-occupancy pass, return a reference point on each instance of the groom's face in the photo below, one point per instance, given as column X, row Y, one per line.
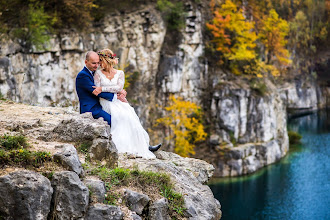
column 93, row 62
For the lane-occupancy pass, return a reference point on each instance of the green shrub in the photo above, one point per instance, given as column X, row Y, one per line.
column 13, row 142
column 4, row 157
column 23, row 157
column 173, row 13
column 259, row 87
column 294, row 138
column 176, row 201
column 84, row 147
column 48, row 174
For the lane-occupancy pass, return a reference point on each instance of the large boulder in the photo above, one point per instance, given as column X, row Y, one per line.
column 25, row 195
column 71, row 196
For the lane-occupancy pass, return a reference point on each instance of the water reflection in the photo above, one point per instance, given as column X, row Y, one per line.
column 298, row 187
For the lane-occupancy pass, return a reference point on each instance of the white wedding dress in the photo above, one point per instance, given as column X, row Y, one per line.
column 126, row 130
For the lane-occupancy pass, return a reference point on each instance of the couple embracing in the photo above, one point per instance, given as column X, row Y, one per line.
column 100, row 91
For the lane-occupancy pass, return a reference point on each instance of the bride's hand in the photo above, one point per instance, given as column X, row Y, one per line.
column 123, row 92
column 97, row 90
column 122, row 98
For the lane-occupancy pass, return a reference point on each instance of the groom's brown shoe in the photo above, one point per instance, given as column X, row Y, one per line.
column 155, row 148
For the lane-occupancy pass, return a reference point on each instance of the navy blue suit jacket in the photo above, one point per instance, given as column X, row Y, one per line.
column 88, row 101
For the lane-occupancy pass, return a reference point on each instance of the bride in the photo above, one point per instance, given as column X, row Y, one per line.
column 126, row 130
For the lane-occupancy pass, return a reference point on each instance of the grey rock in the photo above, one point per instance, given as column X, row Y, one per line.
column 136, row 202
column 214, row 139
column 102, row 212
column 191, row 212
column 97, row 189
column 80, row 128
column 135, row 216
column 202, row 170
column 70, row 198
column 104, row 151
column 159, row 210
column 68, row 157
column 25, row 195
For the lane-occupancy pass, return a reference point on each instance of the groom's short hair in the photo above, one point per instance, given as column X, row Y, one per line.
column 88, row 54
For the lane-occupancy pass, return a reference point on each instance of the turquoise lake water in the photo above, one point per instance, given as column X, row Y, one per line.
column 295, row 188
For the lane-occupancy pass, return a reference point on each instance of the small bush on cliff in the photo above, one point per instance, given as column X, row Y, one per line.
column 294, row 138
column 173, row 13
column 23, row 157
column 13, row 152
column 13, row 142
column 259, row 87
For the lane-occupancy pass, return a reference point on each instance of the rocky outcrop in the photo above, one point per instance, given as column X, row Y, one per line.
column 95, row 134
column 97, row 190
column 159, row 210
column 199, row 199
column 68, row 196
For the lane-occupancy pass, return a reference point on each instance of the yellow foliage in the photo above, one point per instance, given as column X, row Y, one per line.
column 273, row 35
column 183, row 119
column 232, row 34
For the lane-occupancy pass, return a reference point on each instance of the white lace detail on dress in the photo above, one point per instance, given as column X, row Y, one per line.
column 115, row 85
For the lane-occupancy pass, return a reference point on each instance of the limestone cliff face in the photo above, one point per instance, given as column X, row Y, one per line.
column 164, row 63
column 250, row 130
column 303, row 95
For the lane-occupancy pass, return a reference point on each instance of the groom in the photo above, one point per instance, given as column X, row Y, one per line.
column 89, row 97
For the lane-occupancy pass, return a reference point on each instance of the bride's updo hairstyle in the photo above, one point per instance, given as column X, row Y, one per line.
column 107, row 59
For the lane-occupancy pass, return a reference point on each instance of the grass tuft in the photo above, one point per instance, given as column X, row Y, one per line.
column 13, row 152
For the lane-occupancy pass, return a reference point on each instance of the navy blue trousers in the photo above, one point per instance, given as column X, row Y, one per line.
column 104, row 115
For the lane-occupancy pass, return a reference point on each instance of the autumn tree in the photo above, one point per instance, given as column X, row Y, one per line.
column 273, row 35
column 233, row 35
column 183, row 118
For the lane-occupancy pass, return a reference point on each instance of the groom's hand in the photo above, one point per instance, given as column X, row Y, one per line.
column 97, row 90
